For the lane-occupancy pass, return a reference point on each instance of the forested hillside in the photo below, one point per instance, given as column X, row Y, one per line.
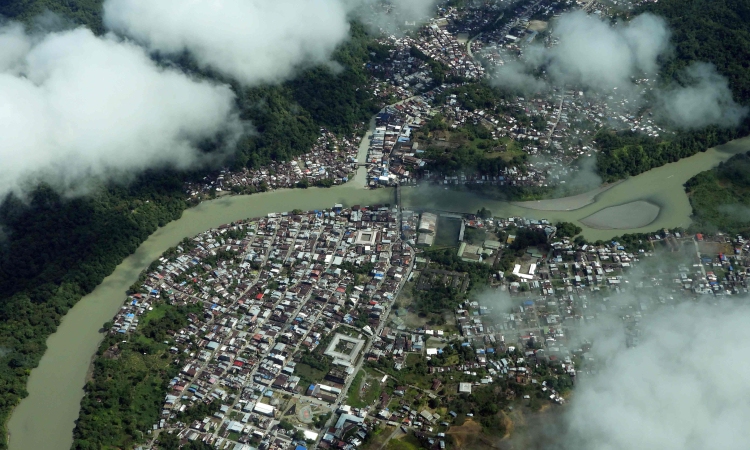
column 627, row 153
column 54, row 250
column 288, row 116
column 79, row 12
column 714, row 31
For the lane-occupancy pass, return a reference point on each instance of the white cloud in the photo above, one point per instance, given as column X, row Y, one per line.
column 682, row 388
column 705, row 100
column 14, row 44
column 397, row 16
column 77, row 108
column 593, row 54
column 253, row 41
column 597, row 55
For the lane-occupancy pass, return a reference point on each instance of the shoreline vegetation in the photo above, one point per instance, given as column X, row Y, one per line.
column 720, row 197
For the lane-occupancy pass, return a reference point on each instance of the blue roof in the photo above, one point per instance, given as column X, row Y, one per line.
column 299, row 447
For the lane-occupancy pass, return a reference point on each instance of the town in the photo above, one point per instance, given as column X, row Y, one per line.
column 352, row 327
column 375, row 225
column 435, row 105
column 320, row 327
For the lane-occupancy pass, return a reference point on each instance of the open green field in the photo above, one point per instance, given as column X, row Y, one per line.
column 359, row 398
column 309, row 374
column 155, row 314
column 408, row 442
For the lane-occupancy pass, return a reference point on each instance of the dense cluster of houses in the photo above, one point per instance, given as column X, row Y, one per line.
column 555, row 127
column 332, row 160
column 392, row 156
column 263, row 291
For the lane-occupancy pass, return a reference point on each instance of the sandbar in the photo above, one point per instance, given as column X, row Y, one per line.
column 635, row 214
column 566, row 203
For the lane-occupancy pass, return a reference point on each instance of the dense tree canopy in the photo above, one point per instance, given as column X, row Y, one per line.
column 714, row 31
column 627, row 153
column 721, row 197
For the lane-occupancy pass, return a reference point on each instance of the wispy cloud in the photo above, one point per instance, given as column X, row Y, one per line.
column 595, row 55
column 78, row 108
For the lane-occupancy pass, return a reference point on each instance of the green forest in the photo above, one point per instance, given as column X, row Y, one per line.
column 626, row 153
column 55, row 250
column 58, row 250
column 721, row 197
column 78, row 12
column 714, row 31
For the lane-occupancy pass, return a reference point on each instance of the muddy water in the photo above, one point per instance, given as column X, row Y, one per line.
column 662, row 187
column 45, row 419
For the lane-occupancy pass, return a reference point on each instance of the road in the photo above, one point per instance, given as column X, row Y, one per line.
column 468, row 45
column 698, row 252
column 559, row 114
column 397, row 433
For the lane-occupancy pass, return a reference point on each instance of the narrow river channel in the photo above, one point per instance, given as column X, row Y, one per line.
column 45, row 419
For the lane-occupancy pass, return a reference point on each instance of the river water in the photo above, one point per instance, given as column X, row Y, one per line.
column 45, row 419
